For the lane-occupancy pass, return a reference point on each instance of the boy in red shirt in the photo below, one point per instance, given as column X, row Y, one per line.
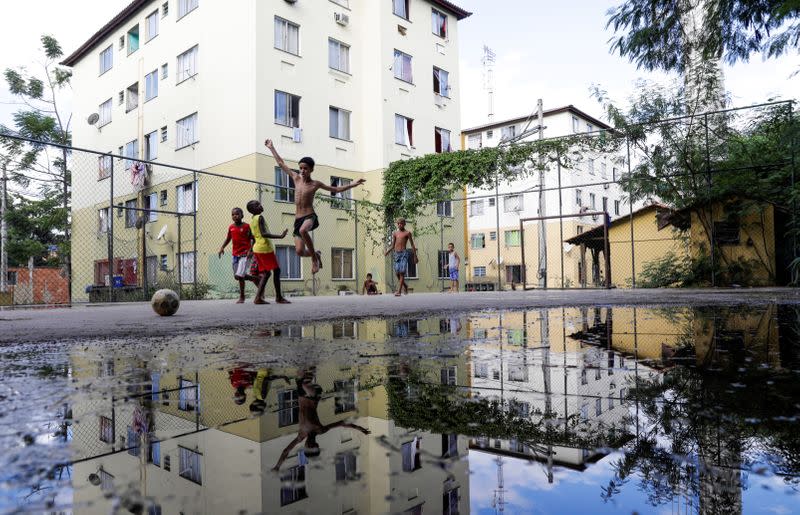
column 239, row 232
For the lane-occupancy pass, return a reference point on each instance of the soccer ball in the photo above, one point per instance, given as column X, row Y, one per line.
column 165, row 302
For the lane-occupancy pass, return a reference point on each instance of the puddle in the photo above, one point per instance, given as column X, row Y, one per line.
column 594, row 410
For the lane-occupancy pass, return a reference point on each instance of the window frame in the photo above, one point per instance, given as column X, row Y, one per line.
column 437, row 78
column 153, row 15
column 339, row 113
column 520, row 206
column 438, row 133
column 180, row 196
column 511, row 232
column 473, row 204
column 441, row 16
column 444, row 209
column 131, row 206
column 151, row 145
column 341, row 45
column 151, row 84
column 399, row 54
column 107, row 52
column 290, row 116
column 476, row 237
column 181, row 77
column 110, row 110
column 344, row 199
column 409, row 130
column 406, row 6
column 290, row 254
column 103, row 224
column 128, row 40
column 286, row 35
column 184, row 455
column 195, row 139
column 189, row 5
column 282, row 189
column 342, row 251
column 479, row 271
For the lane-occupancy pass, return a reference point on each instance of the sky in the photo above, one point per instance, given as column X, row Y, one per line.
column 555, row 54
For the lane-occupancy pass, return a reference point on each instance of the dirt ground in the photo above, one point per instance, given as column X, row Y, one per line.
column 138, row 319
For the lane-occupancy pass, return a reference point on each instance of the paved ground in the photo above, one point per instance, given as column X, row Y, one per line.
column 129, row 319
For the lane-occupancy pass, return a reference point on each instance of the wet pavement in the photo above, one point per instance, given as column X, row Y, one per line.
column 549, row 410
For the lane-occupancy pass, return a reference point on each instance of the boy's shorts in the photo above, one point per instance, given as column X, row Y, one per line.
column 241, row 266
column 454, row 274
column 264, row 262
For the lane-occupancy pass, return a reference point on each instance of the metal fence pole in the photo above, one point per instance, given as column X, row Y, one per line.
column 441, row 249
column 355, row 243
column 179, row 259
column 793, row 144
column 497, row 227
column 560, row 216
column 630, row 212
column 110, row 233
column 194, row 234
column 113, row 425
column 709, row 181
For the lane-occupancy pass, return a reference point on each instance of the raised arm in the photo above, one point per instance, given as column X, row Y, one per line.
column 413, row 246
column 262, row 226
column 342, row 423
column 281, row 163
column 340, row 189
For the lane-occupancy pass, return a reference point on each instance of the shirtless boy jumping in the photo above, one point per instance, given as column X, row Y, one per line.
column 400, row 238
column 305, row 219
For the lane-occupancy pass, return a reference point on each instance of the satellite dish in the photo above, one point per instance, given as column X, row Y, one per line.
column 93, row 119
column 161, row 233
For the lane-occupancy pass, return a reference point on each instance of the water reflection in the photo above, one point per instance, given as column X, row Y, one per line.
column 608, row 409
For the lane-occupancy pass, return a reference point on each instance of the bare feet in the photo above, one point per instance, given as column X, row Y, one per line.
column 282, row 301
column 260, row 301
column 397, row 294
column 240, row 301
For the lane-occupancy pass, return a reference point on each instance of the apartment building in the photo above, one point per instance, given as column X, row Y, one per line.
column 356, row 84
column 493, row 216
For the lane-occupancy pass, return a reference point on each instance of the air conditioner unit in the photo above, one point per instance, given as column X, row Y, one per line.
column 342, row 19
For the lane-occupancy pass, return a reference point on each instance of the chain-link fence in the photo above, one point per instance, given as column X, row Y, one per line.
column 705, row 200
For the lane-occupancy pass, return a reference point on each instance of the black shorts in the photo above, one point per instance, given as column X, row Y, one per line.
column 298, row 222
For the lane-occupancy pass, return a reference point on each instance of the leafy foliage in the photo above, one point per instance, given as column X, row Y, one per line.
column 34, row 226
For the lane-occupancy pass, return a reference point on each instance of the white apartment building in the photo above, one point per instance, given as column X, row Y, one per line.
column 585, row 187
column 356, row 84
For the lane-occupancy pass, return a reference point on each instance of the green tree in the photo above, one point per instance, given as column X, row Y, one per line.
column 34, row 170
column 654, row 34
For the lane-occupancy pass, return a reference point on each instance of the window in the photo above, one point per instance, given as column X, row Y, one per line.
column 479, row 271
column 411, row 271
column 441, row 82
column 512, row 238
column 576, row 125
column 133, row 39
column 402, row 66
column 605, row 204
column 444, row 258
column 288, row 408
column 167, row 463
column 439, row 23
column 293, row 485
column 150, row 203
column 584, row 377
column 727, row 232
column 448, row 375
column 188, row 394
column 186, row 197
column 345, row 464
column 151, row 26
column 590, row 166
column 165, row 10
column 589, row 127
column 131, row 150
column 121, row 98
column 513, row 275
column 507, row 133
column 604, row 171
column 120, row 210
column 106, row 430
column 598, row 408
column 476, row 207
column 411, row 455
column 441, row 140
column 592, row 201
column 450, row 502
column 105, row 113
column 105, row 164
column 616, row 207
column 585, row 412
column 151, row 146
column 164, row 71
column 287, row 36
column 151, row 85
column 132, row 442
column 162, row 198
column 121, row 42
column 403, row 131
column 338, row 123
column 578, row 198
column 491, row 201
column 338, row 55
column 132, row 94
column 287, row 109
column 341, row 263
column 512, row 203
column 106, row 481
column 481, row 370
column 611, row 403
column 186, row 131
column 163, row 262
column 163, row 134
column 444, row 208
column 131, row 214
column 344, row 329
column 289, row 262
column 189, row 459
column 187, row 267
column 106, row 59
column 341, row 200
column 154, row 454
column 186, row 6
column 103, row 220
column 400, row 8
column 344, row 396
column 477, row 241
column 284, row 192
column 474, row 141
column 187, row 64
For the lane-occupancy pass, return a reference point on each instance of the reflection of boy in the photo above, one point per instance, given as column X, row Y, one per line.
column 261, row 389
column 310, row 426
column 241, row 379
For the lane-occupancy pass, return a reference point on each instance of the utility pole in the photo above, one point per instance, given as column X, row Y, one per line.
column 542, row 204
column 488, row 61
column 499, row 501
column 3, row 230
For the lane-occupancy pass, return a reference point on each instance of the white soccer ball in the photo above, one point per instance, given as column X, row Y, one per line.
column 165, row 302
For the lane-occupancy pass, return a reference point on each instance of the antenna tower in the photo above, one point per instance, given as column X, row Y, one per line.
column 488, row 61
column 499, row 502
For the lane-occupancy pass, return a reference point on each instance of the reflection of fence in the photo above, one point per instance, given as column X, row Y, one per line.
column 137, row 226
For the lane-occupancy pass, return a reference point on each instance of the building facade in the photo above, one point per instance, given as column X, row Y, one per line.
column 494, row 216
column 355, row 84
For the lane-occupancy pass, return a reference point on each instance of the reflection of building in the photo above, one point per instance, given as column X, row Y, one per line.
column 587, row 187
column 208, row 455
column 355, row 84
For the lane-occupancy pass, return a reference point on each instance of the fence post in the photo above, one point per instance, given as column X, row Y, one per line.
column 709, row 181
column 497, row 227
column 630, row 211
column 196, row 192
column 355, row 243
column 560, row 216
column 793, row 144
column 179, row 260
column 441, row 249
column 110, row 234
column 67, row 229
column 113, row 425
